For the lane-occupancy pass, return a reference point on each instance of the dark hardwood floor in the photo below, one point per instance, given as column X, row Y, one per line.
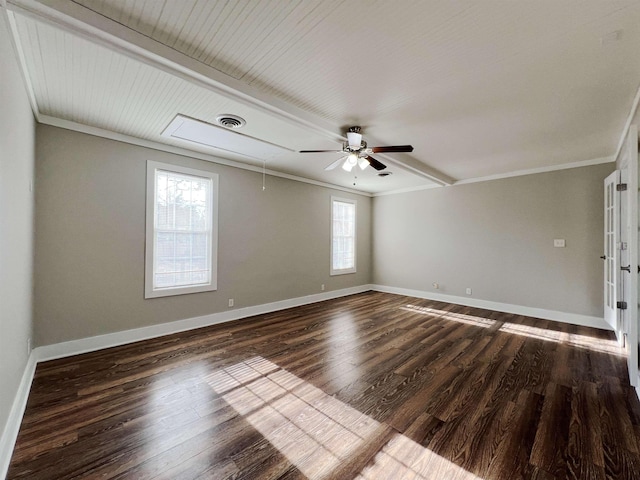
column 371, row 386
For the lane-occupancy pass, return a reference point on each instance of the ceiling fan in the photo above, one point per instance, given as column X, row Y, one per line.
column 357, row 153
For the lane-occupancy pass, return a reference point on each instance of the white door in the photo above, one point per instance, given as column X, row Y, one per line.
column 628, row 287
column 611, row 257
column 631, row 145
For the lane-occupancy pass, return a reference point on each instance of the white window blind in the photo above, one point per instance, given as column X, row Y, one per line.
column 343, row 236
column 181, row 233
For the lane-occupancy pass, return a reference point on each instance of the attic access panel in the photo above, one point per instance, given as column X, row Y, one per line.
column 196, row 131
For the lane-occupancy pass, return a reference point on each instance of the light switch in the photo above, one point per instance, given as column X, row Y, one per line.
column 558, row 242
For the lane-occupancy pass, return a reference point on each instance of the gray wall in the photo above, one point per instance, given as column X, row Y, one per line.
column 90, row 224
column 497, row 238
column 17, row 129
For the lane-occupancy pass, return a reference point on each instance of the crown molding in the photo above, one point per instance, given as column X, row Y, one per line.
column 22, row 64
column 533, row 171
column 83, row 22
column 119, row 137
column 627, row 124
column 516, row 173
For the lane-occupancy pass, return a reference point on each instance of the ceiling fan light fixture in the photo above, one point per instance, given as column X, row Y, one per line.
column 363, row 162
column 350, row 162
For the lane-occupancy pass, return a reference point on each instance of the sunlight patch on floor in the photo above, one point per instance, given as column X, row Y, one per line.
column 402, row 458
column 343, row 338
column 457, row 317
column 570, row 339
column 600, row 345
column 317, row 432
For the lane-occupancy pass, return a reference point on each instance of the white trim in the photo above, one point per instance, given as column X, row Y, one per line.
column 81, row 21
column 344, row 271
column 630, row 292
column 418, row 168
column 533, row 171
column 563, row 317
column 619, row 338
column 407, row 190
column 90, row 344
column 611, row 237
column 515, row 173
column 17, row 47
column 150, row 231
column 120, row 137
column 627, row 124
column 192, row 131
column 12, row 427
column 98, row 29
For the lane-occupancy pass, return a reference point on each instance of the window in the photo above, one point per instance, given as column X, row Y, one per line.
column 343, row 236
column 181, row 242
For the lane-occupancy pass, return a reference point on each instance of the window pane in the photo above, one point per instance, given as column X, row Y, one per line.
column 182, row 230
column 343, row 235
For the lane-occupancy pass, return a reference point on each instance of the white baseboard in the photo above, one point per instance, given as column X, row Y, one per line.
column 75, row 347
column 90, row 344
column 84, row 345
column 12, row 427
column 572, row 318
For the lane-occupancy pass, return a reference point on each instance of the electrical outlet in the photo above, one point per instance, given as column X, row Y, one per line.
column 468, row 291
column 231, row 302
column 559, row 242
column 322, row 287
column 436, row 285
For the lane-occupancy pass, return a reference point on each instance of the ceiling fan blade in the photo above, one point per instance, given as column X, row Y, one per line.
column 391, row 149
column 375, row 163
column 335, row 164
column 318, row 151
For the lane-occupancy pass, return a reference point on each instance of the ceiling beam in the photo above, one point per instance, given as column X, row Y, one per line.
column 164, row 147
column 91, row 26
column 410, row 164
column 17, row 47
column 83, row 22
column 627, row 124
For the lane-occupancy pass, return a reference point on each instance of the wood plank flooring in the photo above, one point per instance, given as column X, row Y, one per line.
column 371, row 386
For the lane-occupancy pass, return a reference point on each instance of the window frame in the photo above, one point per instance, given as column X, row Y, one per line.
column 150, row 237
column 344, row 271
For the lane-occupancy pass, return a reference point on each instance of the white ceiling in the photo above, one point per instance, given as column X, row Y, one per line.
column 480, row 89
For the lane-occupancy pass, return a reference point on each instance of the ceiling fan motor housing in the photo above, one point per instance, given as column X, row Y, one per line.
column 357, row 152
column 354, row 140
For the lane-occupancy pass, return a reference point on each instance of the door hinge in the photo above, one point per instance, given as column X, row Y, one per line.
column 621, row 305
column 622, row 245
column 621, row 187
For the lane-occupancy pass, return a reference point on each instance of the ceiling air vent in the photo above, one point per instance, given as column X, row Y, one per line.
column 230, row 121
